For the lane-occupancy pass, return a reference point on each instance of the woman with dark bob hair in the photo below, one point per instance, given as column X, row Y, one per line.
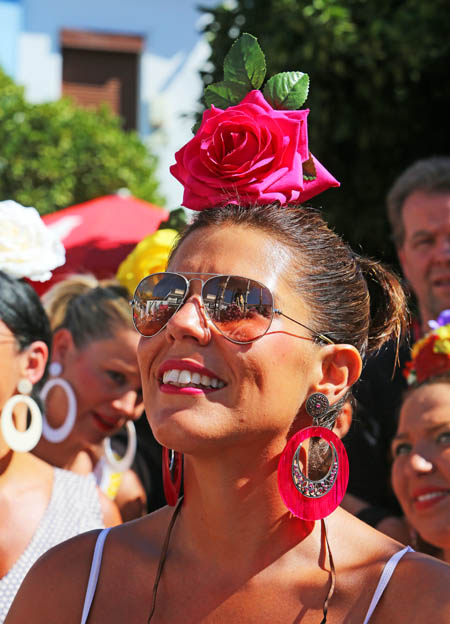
column 251, row 342
column 40, row 506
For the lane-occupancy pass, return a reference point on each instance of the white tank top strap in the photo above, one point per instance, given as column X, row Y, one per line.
column 388, row 570
column 93, row 575
column 385, row 577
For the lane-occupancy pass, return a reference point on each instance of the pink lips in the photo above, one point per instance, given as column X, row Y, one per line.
column 425, row 498
column 193, row 367
column 189, row 391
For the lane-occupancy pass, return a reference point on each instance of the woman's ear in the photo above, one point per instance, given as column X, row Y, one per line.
column 34, row 360
column 62, row 345
column 341, row 366
column 344, row 420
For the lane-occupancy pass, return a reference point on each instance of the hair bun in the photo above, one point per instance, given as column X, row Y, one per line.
column 389, row 314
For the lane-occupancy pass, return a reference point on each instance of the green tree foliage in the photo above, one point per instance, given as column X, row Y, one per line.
column 57, row 154
column 379, row 91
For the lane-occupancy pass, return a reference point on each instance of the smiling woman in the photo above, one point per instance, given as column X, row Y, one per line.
column 40, row 505
column 231, row 551
column 249, row 408
column 421, row 447
column 95, row 388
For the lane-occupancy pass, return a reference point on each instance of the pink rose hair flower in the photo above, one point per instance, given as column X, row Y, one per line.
column 249, row 153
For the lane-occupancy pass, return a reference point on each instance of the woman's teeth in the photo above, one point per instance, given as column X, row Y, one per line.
column 430, row 495
column 183, row 378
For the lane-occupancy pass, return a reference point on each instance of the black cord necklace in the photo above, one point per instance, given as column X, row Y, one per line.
column 163, row 556
column 165, row 547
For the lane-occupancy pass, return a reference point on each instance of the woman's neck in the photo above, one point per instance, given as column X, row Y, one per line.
column 63, row 455
column 21, row 471
column 6, row 457
column 233, row 511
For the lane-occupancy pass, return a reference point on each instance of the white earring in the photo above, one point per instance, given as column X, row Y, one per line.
column 22, row 441
column 58, row 434
column 123, row 464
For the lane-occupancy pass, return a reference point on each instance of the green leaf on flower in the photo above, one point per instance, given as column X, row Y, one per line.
column 225, row 93
column 287, row 91
column 309, row 170
column 196, row 126
column 245, row 63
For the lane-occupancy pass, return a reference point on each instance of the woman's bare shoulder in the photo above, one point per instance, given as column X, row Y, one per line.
column 362, row 552
column 359, row 543
column 66, row 568
column 417, row 592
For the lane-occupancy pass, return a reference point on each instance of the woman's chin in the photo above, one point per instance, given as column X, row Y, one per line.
column 182, row 440
column 188, row 436
column 93, row 436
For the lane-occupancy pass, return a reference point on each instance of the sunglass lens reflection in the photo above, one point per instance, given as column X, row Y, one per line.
column 156, row 300
column 240, row 308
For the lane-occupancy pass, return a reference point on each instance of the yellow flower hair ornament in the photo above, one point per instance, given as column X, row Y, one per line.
column 149, row 256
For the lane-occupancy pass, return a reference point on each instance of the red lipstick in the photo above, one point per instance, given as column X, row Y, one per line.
column 187, row 391
column 424, row 498
column 103, row 424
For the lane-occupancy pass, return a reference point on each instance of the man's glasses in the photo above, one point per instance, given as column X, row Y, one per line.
column 240, row 308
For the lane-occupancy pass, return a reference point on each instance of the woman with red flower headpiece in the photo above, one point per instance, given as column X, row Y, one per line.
column 251, row 342
column 421, row 447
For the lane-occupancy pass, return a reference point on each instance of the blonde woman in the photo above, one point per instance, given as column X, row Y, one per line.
column 95, row 389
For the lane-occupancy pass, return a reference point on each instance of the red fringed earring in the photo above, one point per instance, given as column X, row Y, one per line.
column 172, row 469
column 313, row 498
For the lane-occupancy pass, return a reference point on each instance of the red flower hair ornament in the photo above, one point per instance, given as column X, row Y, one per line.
column 431, row 354
column 251, row 151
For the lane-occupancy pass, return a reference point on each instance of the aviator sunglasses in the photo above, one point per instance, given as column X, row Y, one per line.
column 241, row 309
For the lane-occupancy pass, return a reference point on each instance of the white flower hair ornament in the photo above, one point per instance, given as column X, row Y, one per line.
column 28, row 248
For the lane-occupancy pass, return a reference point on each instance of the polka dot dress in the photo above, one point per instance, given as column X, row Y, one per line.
column 74, row 507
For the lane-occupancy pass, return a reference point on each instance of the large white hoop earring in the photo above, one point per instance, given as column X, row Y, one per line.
column 58, row 434
column 123, row 464
column 22, row 441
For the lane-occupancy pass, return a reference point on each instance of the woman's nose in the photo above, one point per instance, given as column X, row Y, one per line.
column 420, row 463
column 190, row 321
column 127, row 404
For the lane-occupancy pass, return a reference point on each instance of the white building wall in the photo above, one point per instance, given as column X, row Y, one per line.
column 174, row 52
column 39, row 67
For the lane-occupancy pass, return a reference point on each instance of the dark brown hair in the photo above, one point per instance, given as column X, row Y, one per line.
column 22, row 312
column 353, row 300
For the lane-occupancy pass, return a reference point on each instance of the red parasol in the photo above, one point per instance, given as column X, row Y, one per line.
column 100, row 233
